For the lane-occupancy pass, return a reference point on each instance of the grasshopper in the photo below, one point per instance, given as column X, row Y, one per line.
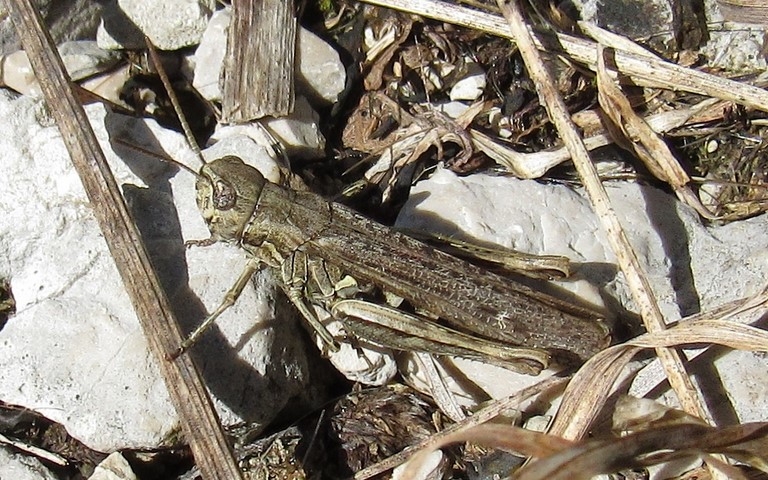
column 329, row 256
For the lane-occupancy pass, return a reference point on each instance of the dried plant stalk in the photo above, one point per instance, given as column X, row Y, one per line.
column 479, row 417
column 746, row 11
column 592, row 384
column 632, row 133
column 643, row 70
column 627, row 259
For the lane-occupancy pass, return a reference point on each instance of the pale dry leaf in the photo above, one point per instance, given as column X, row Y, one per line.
column 631, row 132
column 507, row 437
column 652, row 447
column 632, row 414
column 428, row 129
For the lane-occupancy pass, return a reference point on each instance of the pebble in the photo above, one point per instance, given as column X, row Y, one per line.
column 170, row 24
column 81, row 59
column 471, row 86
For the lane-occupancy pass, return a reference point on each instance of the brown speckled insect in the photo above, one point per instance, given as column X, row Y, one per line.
column 328, row 256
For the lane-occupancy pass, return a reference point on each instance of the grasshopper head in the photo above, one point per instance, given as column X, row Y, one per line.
column 227, row 193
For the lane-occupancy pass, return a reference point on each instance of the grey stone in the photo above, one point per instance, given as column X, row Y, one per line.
column 17, row 466
column 171, row 24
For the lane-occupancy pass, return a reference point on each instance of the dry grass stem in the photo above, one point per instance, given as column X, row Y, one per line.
column 627, row 259
column 199, row 420
column 631, row 132
column 536, row 164
column 590, row 387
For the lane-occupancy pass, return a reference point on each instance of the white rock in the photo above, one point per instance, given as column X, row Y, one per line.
column 74, row 350
column 109, row 85
column 691, row 267
column 66, row 21
column 320, row 74
column 493, row 381
column 431, row 468
column 298, row 133
column 471, row 86
column 452, row 109
column 209, row 56
column 247, row 142
column 16, row 466
column 652, row 21
column 735, row 47
column 732, row 46
column 171, row 24
column 114, row 467
column 361, row 361
column 81, row 59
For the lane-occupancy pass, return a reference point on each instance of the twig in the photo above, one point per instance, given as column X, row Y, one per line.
column 199, row 420
column 536, row 164
column 628, row 262
column 51, row 457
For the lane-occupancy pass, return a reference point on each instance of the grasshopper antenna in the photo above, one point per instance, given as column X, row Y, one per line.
column 150, row 153
column 174, row 101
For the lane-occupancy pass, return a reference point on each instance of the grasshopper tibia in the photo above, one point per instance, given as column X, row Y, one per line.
column 230, row 298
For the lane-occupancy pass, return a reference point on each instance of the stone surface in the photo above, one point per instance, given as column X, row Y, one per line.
column 298, row 133
column 691, row 267
column 321, row 74
column 81, row 59
column 735, row 47
column 646, row 20
column 67, row 20
column 17, row 466
column 74, row 351
column 114, row 467
column 171, row 24
column 209, row 56
column 471, row 85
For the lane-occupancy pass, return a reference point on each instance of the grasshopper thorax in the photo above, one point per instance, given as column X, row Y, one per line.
column 227, row 193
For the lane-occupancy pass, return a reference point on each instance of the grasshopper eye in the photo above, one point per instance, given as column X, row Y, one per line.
column 224, row 196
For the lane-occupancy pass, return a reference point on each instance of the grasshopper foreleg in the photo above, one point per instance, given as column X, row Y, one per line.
column 251, row 267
